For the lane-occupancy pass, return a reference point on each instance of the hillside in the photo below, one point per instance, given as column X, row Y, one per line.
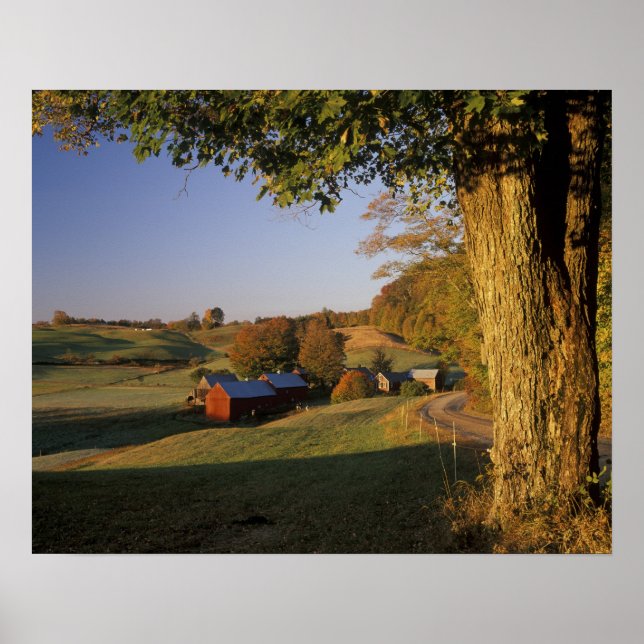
column 220, row 339
column 342, row 478
column 365, row 337
column 51, row 344
column 362, row 340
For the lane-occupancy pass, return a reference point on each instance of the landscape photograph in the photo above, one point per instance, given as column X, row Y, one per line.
column 321, row 321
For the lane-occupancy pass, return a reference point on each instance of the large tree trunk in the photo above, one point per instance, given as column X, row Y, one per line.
column 532, row 224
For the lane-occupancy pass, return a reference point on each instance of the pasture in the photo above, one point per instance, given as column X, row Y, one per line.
column 341, row 478
column 53, row 344
column 220, row 339
column 47, row 379
column 104, row 406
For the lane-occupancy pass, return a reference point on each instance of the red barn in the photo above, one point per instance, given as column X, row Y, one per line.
column 290, row 387
column 209, row 381
column 231, row 400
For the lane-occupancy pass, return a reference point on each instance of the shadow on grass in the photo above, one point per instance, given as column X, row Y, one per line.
column 377, row 502
column 58, row 430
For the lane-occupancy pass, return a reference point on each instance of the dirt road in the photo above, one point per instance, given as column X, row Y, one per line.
column 476, row 429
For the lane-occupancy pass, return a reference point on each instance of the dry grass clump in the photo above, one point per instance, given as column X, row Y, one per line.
column 574, row 527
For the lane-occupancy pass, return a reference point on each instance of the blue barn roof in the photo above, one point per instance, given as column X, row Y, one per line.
column 213, row 378
column 284, row 380
column 247, row 389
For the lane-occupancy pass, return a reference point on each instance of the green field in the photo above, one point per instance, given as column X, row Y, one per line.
column 57, row 378
column 220, row 338
column 105, row 406
column 51, row 344
column 403, row 359
column 342, row 478
column 105, row 417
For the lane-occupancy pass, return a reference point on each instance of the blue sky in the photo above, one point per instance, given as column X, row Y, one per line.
column 114, row 239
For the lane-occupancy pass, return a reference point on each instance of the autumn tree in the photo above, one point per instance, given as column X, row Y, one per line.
column 380, row 361
column 352, row 386
column 269, row 346
column 197, row 374
column 431, row 302
column 212, row 318
column 322, row 353
column 524, row 166
column 193, row 323
column 60, row 318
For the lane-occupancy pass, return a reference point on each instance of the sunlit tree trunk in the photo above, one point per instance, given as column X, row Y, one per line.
column 532, row 223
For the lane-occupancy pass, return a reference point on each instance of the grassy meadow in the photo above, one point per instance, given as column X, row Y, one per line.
column 51, row 344
column 48, row 379
column 341, row 478
column 220, row 338
column 80, row 407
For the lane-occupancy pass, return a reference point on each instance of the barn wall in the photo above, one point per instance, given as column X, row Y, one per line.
column 291, row 395
column 218, row 408
column 244, row 406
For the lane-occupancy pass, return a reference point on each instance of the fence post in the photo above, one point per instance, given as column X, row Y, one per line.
column 454, row 444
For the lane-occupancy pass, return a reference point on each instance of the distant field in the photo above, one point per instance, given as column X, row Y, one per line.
column 363, row 340
column 220, row 338
column 361, row 337
column 404, row 359
column 50, row 344
column 341, row 478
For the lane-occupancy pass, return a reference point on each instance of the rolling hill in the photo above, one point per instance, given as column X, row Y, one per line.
column 362, row 340
column 343, row 478
column 51, row 344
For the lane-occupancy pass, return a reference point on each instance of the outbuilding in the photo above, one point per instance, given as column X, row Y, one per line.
column 232, row 400
column 433, row 378
column 209, row 381
column 289, row 387
column 390, row 381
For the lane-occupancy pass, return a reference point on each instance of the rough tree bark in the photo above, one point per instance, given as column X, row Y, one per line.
column 532, row 225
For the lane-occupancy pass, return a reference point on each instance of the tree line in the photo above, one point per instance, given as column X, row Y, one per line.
column 211, row 319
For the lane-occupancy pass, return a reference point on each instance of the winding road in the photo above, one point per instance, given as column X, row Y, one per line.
column 476, row 429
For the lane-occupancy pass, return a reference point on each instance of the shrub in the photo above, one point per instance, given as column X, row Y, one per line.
column 352, row 386
column 563, row 526
column 71, row 358
column 197, row 374
column 413, row 388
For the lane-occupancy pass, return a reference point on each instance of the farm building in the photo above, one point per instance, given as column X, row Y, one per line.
column 433, row 378
column 390, row 381
column 231, row 400
column 209, row 381
column 289, row 387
